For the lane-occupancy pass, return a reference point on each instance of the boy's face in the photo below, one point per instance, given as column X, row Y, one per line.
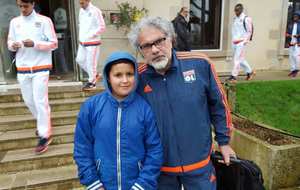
column 121, row 79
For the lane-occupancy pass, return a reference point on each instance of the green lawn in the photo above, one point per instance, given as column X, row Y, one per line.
column 275, row 103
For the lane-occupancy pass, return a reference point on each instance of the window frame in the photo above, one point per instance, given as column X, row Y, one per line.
column 222, row 51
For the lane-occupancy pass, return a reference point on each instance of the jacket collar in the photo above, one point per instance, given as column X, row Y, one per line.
column 123, row 103
column 31, row 16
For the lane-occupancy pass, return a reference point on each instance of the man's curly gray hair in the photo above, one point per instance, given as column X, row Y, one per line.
column 160, row 23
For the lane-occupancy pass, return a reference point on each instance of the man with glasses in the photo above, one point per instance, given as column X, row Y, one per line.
column 242, row 31
column 187, row 99
column 33, row 38
column 182, row 30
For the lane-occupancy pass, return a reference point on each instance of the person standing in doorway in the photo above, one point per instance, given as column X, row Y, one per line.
column 33, row 38
column 187, row 98
column 293, row 40
column 242, row 30
column 91, row 25
column 182, row 30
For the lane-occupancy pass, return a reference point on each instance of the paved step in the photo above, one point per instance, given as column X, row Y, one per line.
column 26, row 138
column 60, row 178
column 11, row 123
column 25, row 159
column 19, row 108
column 54, row 93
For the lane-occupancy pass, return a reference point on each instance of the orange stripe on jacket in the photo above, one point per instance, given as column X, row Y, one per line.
column 34, row 68
column 188, row 168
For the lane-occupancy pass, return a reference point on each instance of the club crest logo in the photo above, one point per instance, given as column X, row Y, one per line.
column 189, row 76
column 38, row 24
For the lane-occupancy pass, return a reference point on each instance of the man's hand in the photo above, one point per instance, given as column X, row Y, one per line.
column 227, row 152
column 16, row 45
column 101, row 188
column 28, row 43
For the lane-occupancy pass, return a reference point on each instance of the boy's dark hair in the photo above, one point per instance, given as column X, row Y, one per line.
column 126, row 61
column 28, row 1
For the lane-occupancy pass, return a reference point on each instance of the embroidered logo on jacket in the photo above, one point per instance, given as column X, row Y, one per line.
column 189, row 76
column 147, row 89
column 38, row 24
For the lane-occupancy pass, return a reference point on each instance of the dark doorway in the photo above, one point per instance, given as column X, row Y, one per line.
column 59, row 12
column 205, row 19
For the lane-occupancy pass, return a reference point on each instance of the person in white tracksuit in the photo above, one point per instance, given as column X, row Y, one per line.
column 33, row 38
column 91, row 25
column 241, row 34
column 293, row 41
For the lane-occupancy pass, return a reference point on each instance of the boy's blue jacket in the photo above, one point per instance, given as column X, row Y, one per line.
column 117, row 144
column 187, row 101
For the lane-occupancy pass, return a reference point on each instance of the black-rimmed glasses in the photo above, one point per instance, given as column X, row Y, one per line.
column 157, row 43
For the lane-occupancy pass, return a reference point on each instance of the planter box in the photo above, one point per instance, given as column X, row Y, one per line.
column 280, row 164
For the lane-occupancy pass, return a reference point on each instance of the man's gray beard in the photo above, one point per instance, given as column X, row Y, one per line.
column 160, row 65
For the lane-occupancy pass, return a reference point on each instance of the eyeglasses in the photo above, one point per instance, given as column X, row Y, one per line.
column 157, row 43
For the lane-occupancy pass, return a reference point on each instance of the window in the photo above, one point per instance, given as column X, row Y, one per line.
column 205, row 19
column 8, row 10
column 294, row 5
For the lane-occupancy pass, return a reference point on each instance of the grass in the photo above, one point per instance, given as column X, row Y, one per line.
column 275, row 103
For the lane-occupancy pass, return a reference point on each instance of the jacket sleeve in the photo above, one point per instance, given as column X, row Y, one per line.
column 150, row 171
column 99, row 23
column 218, row 107
column 49, row 39
column 249, row 27
column 11, row 38
column 83, row 150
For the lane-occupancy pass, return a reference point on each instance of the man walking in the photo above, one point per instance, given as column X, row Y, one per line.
column 187, row 99
column 242, row 30
column 293, row 40
column 33, row 38
column 182, row 30
column 91, row 25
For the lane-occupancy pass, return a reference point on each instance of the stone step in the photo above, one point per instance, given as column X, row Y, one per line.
column 60, row 178
column 25, row 159
column 11, row 123
column 19, row 108
column 57, row 92
column 26, row 138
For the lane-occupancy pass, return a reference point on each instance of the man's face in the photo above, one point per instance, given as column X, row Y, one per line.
column 185, row 12
column 238, row 11
column 25, row 8
column 155, row 47
column 84, row 3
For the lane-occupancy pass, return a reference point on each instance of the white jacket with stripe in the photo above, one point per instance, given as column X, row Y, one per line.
column 91, row 25
column 40, row 30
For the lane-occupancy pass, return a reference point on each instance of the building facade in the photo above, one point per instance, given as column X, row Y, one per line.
column 210, row 30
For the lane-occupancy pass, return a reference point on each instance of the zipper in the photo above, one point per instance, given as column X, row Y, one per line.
column 98, row 163
column 140, row 165
column 119, row 173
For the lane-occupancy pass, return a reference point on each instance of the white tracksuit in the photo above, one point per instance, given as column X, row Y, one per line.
column 240, row 37
column 91, row 25
column 33, row 64
column 294, row 50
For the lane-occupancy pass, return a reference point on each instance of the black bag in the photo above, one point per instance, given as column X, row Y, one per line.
column 239, row 175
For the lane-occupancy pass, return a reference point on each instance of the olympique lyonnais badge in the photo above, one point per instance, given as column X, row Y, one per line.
column 189, row 76
column 38, row 24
